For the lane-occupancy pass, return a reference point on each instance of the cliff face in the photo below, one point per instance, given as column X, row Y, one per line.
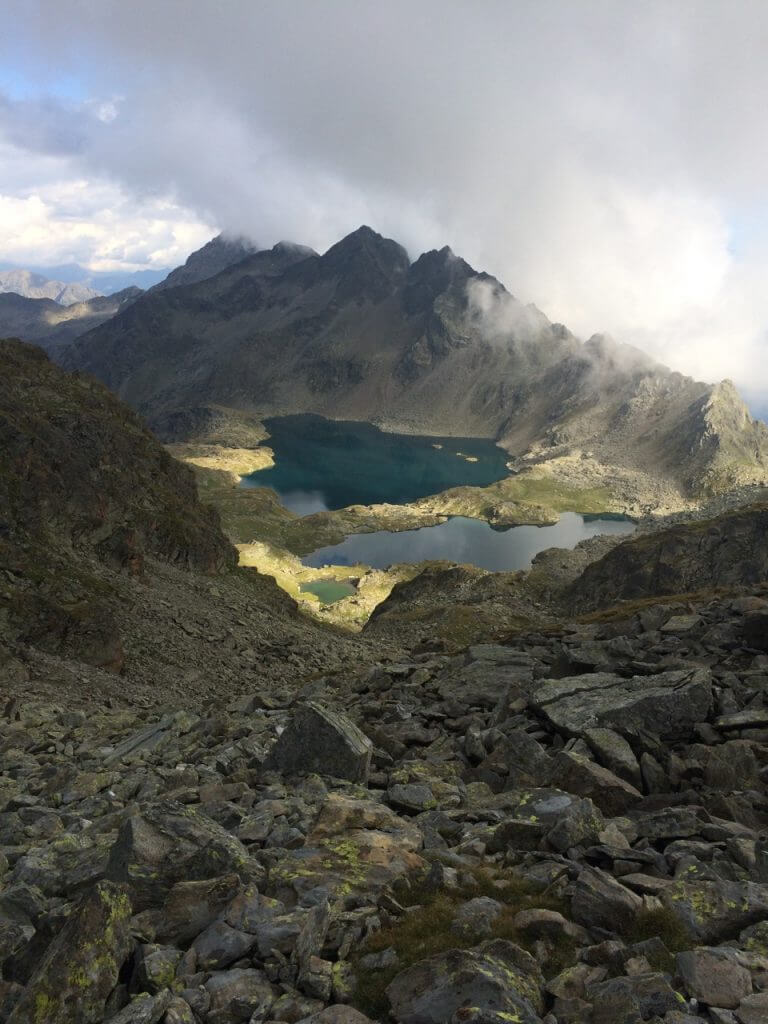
column 431, row 346
column 730, row 550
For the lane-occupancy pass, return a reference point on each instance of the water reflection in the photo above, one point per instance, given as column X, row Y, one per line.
column 469, row 541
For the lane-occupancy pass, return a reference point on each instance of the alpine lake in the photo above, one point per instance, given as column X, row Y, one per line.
column 323, row 465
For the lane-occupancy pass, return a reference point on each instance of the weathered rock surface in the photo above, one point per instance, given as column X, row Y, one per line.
column 81, row 966
column 320, row 740
column 497, row 977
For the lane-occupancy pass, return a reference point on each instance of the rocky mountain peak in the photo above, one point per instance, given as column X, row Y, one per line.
column 368, row 265
column 218, row 254
column 433, row 273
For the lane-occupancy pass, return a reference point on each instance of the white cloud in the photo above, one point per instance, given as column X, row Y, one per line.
column 589, row 154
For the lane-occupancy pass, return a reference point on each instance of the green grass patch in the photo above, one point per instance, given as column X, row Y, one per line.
column 425, row 929
column 662, row 924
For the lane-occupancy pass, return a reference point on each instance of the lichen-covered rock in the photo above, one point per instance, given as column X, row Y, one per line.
column 356, row 848
column 320, row 740
column 167, row 843
column 496, row 976
column 144, row 1009
column 716, row 910
column 81, row 966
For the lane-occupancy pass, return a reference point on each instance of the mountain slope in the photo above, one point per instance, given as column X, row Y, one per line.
column 431, row 346
column 51, row 325
column 108, row 559
column 35, row 286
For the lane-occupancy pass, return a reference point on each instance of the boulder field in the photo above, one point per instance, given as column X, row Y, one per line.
column 567, row 828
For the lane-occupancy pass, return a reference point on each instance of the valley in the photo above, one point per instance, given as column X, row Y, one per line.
column 318, row 711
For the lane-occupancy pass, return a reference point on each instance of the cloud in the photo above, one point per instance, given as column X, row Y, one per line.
column 596, row 157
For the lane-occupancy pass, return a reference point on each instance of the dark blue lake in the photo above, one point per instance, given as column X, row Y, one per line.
column 469, row 541
column 323, row 464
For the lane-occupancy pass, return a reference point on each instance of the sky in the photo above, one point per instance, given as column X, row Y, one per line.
column 607, row 160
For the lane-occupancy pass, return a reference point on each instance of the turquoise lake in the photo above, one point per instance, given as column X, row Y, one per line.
column 324, row 464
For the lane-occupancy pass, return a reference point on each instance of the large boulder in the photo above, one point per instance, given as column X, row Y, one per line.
column 168, row 842
column 356, row 848
column 320, row 740
column 667, row 705
column 714, row 977
column 714, row 910
column 599, row 901
column 577, row 774
column 496, row 976
column 81, row 966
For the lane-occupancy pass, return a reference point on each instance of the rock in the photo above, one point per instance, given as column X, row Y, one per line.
column 179, row 1012
column 339, row 1014
column 668, row 704
column 753, row 1009
column 516, row 834
column 167, row 843
column 144, row 1009
column 221, row 945
column 243, row 987
column 755, row 630
column 625, row 1000
column 599, row 901
column 323, row 741
column 496, row 976
column 548, row 924
column 155, row 968
column 613, row 751
column 716, row 910
column 357, row 847
column 681, row 623
column 71, row 984
column 475, row 918
column 578, row 774
column 411, row 797
column 191, row 906
column 714, row 977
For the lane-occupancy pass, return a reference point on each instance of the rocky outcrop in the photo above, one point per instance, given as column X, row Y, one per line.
column 729, row 550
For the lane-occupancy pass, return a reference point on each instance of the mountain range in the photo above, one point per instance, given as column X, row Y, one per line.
column 430, row 346
column 102, row 282
column 36, row 286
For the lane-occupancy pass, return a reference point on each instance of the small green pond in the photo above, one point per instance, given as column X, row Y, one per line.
column 328, row 591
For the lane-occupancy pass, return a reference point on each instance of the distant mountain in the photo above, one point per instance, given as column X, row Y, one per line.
column 51, row 325
column 218, row 254
column 431, row 346
column 35, row 286
column 102, row 282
